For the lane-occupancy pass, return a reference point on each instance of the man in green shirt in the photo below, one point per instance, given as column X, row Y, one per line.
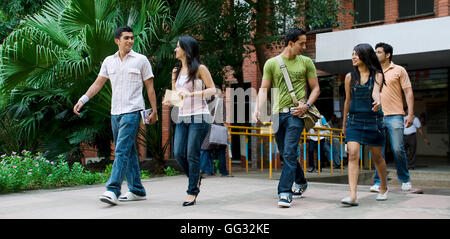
column 286, row 122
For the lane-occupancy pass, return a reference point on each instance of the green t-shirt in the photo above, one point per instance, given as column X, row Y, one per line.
column 300, row 69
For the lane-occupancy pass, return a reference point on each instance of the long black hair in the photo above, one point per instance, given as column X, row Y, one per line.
column 367, row 55
column 190, row 47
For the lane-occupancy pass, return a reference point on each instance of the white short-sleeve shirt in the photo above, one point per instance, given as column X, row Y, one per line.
column 413, row 128
column 320, row 123
column 127, row 77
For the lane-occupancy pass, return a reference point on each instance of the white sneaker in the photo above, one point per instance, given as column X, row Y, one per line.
column 375, row 188
column 406, row 186
column 129, row 196
column 382, row 197
column 109, row 197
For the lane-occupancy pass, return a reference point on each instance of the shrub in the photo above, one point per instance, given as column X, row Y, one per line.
column 145, row 174
column 33, row 171
column 169, row 171
column 26, row 171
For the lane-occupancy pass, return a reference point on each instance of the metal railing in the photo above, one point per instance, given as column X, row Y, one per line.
column 267, row 131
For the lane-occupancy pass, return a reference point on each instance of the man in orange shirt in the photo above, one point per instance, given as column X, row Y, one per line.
column 397, row 80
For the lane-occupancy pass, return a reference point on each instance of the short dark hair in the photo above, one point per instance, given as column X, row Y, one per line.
column 293, row 34
column 386, row 48
column 119, row 30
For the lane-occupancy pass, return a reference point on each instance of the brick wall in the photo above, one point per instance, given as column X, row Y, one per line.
column 442, row 8
column 346, row 18
column 390, row 11
column 91, row 152
column 166, row 129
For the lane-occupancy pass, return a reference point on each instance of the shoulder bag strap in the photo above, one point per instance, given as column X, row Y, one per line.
column 215, row 109
column 287, row 79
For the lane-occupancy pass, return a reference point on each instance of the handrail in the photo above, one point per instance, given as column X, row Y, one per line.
column 268, row 132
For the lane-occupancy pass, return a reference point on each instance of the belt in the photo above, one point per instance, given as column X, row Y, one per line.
column 286, row 110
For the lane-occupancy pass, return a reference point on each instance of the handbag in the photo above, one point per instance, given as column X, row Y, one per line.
column 217, row 135
column 311, row 116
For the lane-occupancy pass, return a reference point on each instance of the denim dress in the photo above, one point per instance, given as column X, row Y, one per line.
column 363, row 125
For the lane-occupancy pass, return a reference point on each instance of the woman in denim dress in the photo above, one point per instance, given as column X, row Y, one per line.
column 364, row 122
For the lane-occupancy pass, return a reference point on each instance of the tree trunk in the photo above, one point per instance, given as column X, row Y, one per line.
column 262, row 11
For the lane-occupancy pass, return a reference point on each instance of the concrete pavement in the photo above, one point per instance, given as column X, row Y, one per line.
column 239, row 197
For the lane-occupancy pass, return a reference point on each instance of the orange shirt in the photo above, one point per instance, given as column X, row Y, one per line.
column 391, row 95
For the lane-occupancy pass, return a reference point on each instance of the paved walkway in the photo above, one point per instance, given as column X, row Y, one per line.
column 232, row 197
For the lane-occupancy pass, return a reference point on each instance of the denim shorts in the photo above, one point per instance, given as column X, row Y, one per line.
column 366, row 131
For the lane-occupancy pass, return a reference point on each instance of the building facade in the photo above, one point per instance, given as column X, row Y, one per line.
column 418, row 30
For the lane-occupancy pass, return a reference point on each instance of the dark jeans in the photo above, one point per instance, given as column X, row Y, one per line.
column 126, row 164
column 288, row 136
column 324, row 153
column 410, row 148
column 222, row 155
column 189, row 135
column 207, row 159
column 206, row 162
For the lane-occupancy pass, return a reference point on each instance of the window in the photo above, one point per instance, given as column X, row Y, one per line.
column 367, row 11
column 410, row 8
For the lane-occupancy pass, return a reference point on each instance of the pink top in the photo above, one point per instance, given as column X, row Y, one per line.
column 192, row 105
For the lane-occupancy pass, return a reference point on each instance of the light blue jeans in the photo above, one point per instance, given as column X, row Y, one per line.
column 394, row 127
column 126, row 163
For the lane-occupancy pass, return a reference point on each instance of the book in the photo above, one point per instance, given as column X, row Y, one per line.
column 173, row 97
column 145, row 115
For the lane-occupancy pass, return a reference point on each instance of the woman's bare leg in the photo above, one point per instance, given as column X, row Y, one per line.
column 380, row 165
column 353, row 168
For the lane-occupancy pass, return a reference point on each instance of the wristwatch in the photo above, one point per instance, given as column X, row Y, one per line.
column 307, row 104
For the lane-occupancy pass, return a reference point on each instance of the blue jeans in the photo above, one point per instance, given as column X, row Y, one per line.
column 190, row 132
column 324, row 152
column 207, row 159
column 394, row 127
column 221, row 154
column 206, row 162
column 126, row 164
column 336, row 152
column 288, row 135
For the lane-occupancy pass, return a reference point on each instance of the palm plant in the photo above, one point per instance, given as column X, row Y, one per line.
column 52, row 58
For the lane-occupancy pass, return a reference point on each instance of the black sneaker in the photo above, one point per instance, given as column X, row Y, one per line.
column 299, row 189
column 312, row 169
column 296, row 193
column 284, row 201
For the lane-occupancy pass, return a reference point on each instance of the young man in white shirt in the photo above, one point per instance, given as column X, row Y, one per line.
column 325, row 151
column 410, row 140
column 128, row 71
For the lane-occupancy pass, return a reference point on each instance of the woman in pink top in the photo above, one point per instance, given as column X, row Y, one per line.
column 190, row 78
